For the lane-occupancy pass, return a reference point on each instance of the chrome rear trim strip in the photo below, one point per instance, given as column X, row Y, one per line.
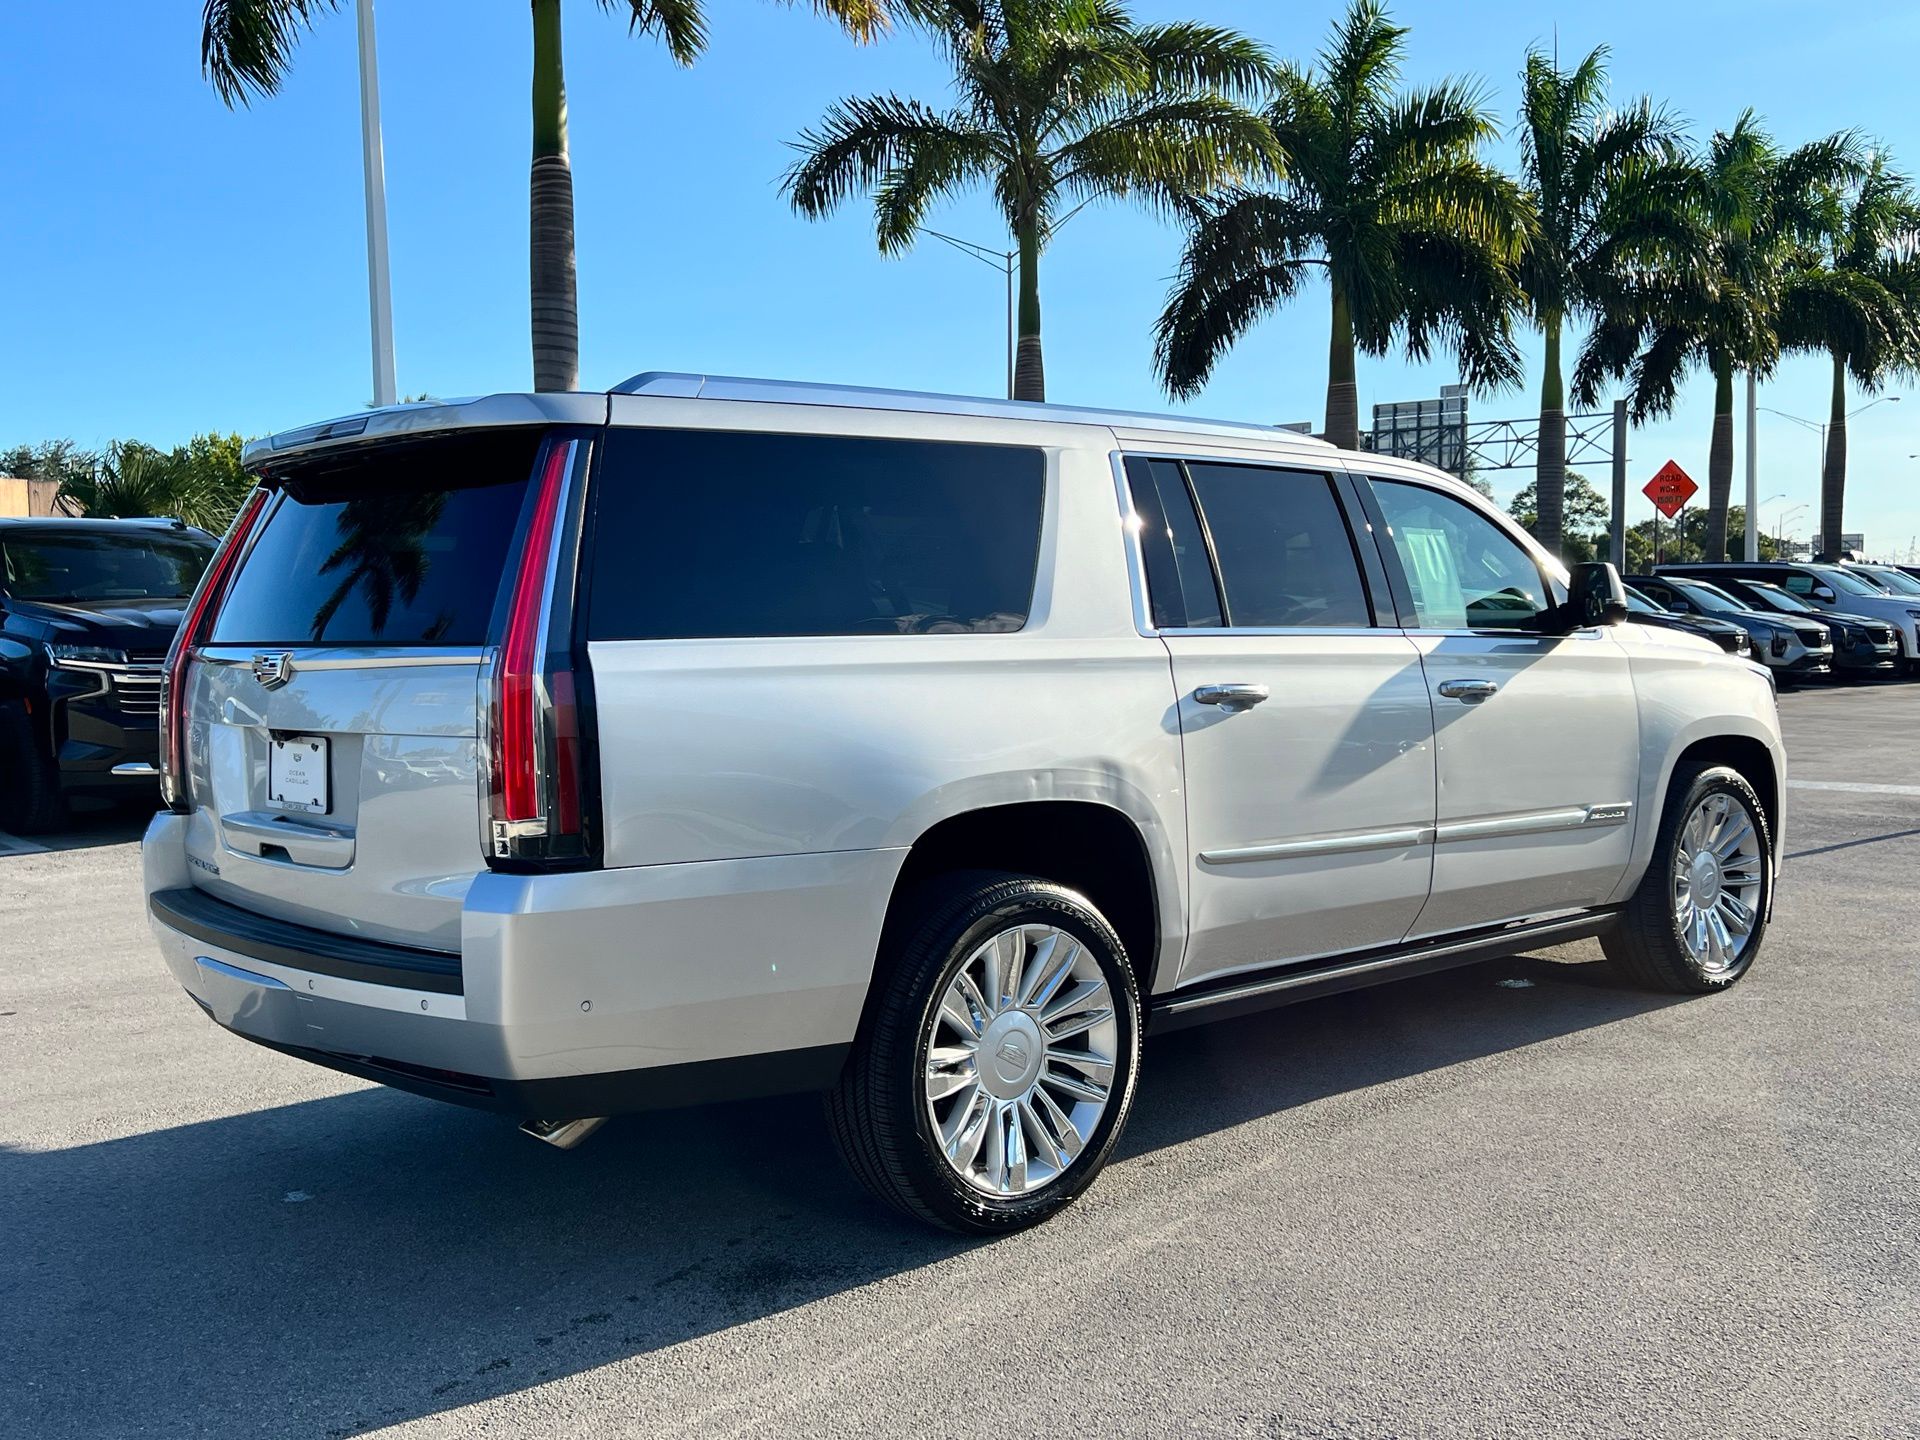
column 339, row 659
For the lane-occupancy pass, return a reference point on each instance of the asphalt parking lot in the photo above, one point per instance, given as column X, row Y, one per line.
column 1458, row 1206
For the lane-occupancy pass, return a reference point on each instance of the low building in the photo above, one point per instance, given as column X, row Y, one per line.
column 20, row 495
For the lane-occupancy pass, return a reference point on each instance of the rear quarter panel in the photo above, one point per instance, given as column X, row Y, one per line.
column 738, row 748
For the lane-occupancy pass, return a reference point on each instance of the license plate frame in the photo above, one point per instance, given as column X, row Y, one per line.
column 300, row 774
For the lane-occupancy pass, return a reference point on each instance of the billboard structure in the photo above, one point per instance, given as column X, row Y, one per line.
column 1431, row 431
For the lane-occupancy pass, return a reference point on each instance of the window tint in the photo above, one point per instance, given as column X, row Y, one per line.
column 399, row 546
column 1286, row 558
column 1179, row 570
column 703, row 534
column 1464, row 570
column 102, row 564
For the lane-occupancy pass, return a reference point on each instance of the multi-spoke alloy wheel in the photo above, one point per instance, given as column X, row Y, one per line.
column 1020, row 1059
column 1716, row 882
column 996, row 1063
column 1696, row 919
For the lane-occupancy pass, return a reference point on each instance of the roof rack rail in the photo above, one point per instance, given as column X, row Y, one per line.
column 688, row 386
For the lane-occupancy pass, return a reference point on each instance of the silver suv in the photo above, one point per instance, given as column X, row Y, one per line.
column 568, row 755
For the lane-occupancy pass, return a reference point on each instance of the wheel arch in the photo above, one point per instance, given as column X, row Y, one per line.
column 1097, row 849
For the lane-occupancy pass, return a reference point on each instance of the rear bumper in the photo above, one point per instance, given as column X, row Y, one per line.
column 581, row 994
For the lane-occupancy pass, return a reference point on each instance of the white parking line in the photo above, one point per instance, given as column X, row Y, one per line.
column 1853, row 788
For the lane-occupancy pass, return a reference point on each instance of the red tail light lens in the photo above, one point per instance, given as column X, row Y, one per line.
column 193, row 630
column 535, row 746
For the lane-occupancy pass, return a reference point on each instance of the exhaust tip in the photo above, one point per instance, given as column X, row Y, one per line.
column 562, row 1134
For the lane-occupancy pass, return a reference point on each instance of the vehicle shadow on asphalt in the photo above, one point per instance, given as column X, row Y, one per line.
column 89, row 823
column 333, row 1266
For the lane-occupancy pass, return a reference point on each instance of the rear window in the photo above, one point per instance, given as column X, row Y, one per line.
column 102, row 564
column 710, row 534
column 405, row 545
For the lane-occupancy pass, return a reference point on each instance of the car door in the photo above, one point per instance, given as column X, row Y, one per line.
column 1303, row 714
column 1536, row 735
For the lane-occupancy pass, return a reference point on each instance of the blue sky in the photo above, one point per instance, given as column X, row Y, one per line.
column 175, row 267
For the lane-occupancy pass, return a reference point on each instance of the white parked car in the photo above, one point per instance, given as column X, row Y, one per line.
column 569, row 755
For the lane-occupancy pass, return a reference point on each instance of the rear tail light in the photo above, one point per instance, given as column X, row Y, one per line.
column 536, row 809
column 193, row 631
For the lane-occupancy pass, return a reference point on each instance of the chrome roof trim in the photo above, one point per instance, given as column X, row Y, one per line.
column 668, row 384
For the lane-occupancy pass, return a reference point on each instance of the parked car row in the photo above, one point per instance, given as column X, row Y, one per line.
column 1803, row 621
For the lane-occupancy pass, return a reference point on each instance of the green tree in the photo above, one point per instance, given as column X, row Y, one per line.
column 247, row 45
column 1059, row 102
column 1385, row 194
column 1854, row 296
column 201, row 482
column 1604, row 186
column 1585, row 509
column 57, row 460
column 1750, row 209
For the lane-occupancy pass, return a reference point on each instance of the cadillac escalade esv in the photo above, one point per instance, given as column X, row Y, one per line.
column 573, row 754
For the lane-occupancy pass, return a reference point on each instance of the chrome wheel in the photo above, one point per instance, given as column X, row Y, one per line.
column 1717, row 868
column 1020, row 1060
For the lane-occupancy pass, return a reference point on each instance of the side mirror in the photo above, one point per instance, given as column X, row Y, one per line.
column 1595, row 595
column 1821, row 592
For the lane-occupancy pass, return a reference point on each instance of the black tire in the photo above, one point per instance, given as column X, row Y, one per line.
column 878, row 1112
column 1646, row 946
column 29, row 782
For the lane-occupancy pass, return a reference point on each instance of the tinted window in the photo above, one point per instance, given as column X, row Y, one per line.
column 705, row 534
column 1286, row 558
column 1465, row 571
column 403, row 546
column 1179, row 570
column 102, row 565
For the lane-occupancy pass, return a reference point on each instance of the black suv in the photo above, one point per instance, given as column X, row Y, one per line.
column 87, row 610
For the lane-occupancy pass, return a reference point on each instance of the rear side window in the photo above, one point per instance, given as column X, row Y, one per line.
column 705, row 534
column 1286, row 557
column 403, row 545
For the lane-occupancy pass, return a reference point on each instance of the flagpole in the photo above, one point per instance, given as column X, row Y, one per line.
column 379, row 274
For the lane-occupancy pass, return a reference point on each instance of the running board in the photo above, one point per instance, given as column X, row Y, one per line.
column 1245, row 993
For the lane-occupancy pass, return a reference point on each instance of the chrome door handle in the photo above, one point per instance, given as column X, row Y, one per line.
column 1234, row 697
column 1467, row 689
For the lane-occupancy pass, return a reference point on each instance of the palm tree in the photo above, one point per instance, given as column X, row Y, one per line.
column 1059, row 102
column 1716, row 303
column 1386, row 195
column 246, row 47
column 1603, row 185
column 1855, row 297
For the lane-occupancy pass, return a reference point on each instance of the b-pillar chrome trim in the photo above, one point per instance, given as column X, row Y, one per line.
column 1573, row 817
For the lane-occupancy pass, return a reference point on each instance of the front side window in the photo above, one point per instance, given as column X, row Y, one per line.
column 708, row 534
column 1465, row 572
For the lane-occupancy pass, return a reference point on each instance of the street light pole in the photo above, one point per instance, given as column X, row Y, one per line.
column 379, row 273
column 1753, row 468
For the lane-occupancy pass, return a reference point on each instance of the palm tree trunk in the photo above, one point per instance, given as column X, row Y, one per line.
column 1550, row 454
column 1343, row 395
column 1720, row 463
column 1833, row 466
column 1029, row 369
column 556, row 312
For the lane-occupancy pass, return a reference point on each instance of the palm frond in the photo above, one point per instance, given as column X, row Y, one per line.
column 890, row 145
column 246, row 45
